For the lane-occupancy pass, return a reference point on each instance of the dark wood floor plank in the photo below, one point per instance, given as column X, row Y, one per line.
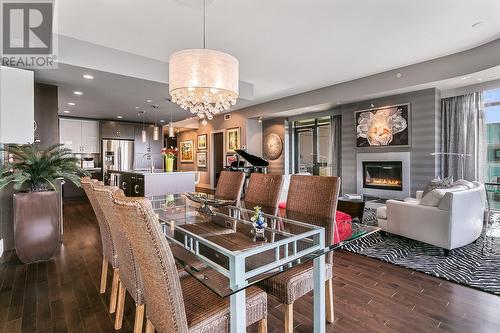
column 370, row 295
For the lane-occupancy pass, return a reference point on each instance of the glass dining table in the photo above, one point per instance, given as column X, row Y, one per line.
column 221, row 248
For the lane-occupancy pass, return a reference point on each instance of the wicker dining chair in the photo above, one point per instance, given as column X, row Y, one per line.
column 230, row 185
column 264, row 190
column 311, row 199
column 109, row 253
column 174, row 304
column 129, row 275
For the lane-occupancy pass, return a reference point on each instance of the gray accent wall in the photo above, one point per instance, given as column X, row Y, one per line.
column 425, row 128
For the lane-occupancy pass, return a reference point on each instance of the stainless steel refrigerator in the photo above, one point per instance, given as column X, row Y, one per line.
column 117, row 155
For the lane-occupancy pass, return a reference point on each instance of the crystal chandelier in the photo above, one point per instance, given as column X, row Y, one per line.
column 202, row 80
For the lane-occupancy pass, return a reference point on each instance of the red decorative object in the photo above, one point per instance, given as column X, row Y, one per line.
column 343, row 227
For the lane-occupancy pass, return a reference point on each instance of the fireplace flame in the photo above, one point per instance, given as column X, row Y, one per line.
column 383, row 181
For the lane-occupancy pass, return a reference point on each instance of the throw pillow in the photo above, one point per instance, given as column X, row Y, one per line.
column 433, row 198
column 438, row 183
column 465, row 183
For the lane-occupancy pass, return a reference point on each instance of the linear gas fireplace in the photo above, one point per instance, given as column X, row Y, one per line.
column 383, row 175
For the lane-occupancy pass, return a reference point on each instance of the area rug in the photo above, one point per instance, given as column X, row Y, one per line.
column 468, row 265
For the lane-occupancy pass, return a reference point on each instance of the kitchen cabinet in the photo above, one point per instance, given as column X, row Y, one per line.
column 151, row 146
column 90, row 136
column 117, row 130
column 17, row 105
column 81, row 136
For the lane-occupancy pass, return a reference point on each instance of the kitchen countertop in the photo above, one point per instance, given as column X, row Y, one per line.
column 157, row 172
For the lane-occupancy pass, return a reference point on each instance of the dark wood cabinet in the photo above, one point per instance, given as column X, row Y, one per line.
column 151, row 146
column 117, row 130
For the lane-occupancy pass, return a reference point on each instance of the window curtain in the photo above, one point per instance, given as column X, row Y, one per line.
column 334, row 151
column 463, row 131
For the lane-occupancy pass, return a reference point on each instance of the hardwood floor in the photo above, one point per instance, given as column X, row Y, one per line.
column 370, row 296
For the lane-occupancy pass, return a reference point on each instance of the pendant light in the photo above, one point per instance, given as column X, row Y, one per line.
column 171, row 133
column 144, row 136
column 156, row 130
column 202, row 80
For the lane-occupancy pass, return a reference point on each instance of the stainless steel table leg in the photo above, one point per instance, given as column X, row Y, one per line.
column 319, row 295
column 238, row 312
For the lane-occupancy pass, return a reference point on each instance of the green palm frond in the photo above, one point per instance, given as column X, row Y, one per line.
column 38, row 169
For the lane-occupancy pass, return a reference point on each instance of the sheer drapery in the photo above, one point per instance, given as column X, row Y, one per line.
column 334, row 151
column 463, row 131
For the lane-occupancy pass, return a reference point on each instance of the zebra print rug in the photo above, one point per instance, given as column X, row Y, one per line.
column 467, row 265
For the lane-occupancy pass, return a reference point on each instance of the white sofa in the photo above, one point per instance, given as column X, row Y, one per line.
column 455, row 222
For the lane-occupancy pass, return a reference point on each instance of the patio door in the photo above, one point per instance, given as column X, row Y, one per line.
column 316, row 141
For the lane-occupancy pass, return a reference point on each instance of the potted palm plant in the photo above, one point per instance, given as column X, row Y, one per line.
column 36, row 174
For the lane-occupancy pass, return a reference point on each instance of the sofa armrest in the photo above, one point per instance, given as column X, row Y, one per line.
column 419, row 194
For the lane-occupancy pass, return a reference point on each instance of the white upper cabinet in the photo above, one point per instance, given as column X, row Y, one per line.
column 17, row 105
column 81, row 136
column 90, row 136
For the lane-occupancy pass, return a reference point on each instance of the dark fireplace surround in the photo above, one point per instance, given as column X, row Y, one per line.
column 383, row 175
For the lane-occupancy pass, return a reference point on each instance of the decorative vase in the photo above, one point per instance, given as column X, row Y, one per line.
column 36, row 225
column 169, row 164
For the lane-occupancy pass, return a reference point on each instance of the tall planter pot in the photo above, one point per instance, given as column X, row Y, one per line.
column 36, row 225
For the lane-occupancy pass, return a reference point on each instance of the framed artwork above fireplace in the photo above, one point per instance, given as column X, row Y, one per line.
column 387, row 126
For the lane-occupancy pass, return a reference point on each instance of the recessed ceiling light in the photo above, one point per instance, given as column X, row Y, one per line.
column 162, row 121
column 137, row 107
column 77, row 93
column 66, row 111
column 71, row 103
column 88, row 76
column 148, row 101
column 399, row 75
column 479, row 79
column 465, row 78
column 477, row 24
column 119, row 117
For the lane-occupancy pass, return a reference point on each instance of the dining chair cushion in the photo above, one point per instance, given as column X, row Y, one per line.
column 293, row 283
column 208, row 312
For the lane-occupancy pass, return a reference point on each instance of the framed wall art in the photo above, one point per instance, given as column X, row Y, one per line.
column 186, row 151
column 232, row 139
column 201, row 159
column 202, row 142
column 387, row 126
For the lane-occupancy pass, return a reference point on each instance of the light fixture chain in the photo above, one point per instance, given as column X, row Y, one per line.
column 204, row 23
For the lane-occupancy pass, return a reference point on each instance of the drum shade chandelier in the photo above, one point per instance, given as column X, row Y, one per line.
column 202, row 80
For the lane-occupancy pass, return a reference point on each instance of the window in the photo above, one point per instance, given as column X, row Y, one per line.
column 316, row 141
column 492, row 118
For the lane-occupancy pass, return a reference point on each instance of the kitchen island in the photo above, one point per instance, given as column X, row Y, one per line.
column 144, row 183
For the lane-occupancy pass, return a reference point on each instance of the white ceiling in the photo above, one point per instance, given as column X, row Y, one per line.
column 284, row 47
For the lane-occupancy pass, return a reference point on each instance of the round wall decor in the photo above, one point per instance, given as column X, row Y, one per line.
column 273, row 146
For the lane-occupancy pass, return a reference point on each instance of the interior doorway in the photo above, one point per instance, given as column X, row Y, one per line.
column 218, row 155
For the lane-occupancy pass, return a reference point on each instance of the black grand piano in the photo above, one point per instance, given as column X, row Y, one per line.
column 257, row 164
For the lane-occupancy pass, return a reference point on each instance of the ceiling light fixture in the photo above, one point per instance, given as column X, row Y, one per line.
column 148, row 101
column 202, row 80
column 119, row 117
column 66, row 111
column 71, row 103
column 77, row 93
column 156, row 129
column 88, row 76
column 144, row 136
column 171, row 133
column 465, row 78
